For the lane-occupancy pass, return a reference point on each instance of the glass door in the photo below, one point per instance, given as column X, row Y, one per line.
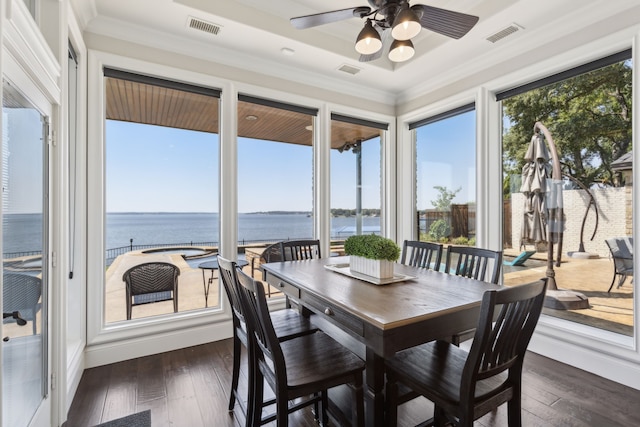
column 24, row 249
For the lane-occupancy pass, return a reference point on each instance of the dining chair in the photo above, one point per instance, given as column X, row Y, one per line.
column 301, row 369
column 466, row 385
column 21, row 298
column 297, row 250
column 151, row 282
column 475, row 263
column 421, row 254
column 288, row 324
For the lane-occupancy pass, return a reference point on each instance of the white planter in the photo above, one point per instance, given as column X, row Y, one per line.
column 381, row 269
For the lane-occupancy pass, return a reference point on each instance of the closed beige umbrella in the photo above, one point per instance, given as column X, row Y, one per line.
column 535, row 174
column 544, row 215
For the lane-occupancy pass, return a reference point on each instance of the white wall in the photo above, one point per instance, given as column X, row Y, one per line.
column 612, row 221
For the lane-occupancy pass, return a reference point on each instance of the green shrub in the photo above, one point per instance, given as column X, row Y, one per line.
column 439, row 229
column 462, row 240
column 372, row 246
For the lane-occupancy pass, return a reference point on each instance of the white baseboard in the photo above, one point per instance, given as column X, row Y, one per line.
column 103, row 354
column 615, row 361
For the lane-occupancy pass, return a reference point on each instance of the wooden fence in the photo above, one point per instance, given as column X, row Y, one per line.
column 463, row 221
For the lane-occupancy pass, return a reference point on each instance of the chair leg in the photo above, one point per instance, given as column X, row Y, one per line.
column 175, row 301
column 439, row 416
column 324, row 406
column 514, row 410
column 623, row 277
column 235, row 373
column 391, row 402
column 282, row 410
column 256, row 397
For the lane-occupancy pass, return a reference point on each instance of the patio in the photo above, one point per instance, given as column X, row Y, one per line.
column 609, row 311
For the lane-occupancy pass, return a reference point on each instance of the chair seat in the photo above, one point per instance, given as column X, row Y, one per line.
column 289, row 324
column 443, row 377
column 317, row 359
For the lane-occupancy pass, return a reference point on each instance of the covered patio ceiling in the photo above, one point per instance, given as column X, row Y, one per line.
column 136, row 102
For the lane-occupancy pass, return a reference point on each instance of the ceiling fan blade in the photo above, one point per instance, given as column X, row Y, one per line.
column 308, row 21
column 443, row 21
column 385, row 37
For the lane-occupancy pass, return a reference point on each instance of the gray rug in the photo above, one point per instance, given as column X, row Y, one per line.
column 140, row 419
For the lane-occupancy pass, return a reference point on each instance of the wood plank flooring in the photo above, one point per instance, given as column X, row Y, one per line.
column 190, row 388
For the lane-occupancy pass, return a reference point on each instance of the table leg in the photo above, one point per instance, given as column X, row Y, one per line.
column 374, row 389
column 206, row 284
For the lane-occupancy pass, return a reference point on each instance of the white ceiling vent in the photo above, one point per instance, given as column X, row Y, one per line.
column 207, row 27
column 505, row 32
column 350, row 69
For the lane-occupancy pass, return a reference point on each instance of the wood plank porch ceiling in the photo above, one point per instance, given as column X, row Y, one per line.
column 154, row 105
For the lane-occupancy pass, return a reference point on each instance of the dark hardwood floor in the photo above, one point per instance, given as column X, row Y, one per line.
column 189, row 388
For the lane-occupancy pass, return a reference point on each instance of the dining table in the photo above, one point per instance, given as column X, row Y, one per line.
column 416, row 306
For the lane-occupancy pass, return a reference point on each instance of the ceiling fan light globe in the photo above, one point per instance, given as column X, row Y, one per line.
column 401, row 50
column 368, row 41
column 406, row 24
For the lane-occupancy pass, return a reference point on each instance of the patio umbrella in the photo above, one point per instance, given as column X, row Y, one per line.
column 543, row 212
column 535, row 174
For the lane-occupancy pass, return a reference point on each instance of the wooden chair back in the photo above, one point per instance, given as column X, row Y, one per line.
column 475, row 263
column 227, row 274
column 507, row 320
column 297, row 250
column 422, row 254
column 254, row 301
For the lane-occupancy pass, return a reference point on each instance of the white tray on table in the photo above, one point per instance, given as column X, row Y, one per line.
column 344, row 269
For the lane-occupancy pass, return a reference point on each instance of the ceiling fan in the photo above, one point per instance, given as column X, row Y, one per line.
column 395, row 22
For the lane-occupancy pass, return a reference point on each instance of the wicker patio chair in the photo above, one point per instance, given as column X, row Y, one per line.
column 151, row 282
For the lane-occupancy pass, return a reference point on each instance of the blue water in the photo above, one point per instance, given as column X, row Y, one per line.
column 171, row 228
column 23, row 232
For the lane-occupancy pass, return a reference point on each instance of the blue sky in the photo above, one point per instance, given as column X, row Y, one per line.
column 158, row 169
column 446, row 156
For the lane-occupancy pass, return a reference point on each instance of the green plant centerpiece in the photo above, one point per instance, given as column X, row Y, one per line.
column 372, row 255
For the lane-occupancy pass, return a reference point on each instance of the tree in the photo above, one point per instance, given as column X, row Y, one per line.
column 444, row 198
column 589, row 117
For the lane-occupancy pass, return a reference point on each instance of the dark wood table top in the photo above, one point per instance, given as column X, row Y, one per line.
column 431, row 294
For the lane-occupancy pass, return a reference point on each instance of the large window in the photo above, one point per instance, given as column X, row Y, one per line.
column 356, row 177
column 161, row 190
column 275, row 176
column 568, row 191
column 446, row 176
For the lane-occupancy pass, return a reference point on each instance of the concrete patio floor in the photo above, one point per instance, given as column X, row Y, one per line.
column 592, row 277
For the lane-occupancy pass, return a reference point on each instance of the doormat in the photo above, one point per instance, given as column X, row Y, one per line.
column 140, row 419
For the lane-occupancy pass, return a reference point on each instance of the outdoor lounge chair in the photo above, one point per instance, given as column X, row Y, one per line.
column 520, row 259
column 21, row 295
column 622, row 253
